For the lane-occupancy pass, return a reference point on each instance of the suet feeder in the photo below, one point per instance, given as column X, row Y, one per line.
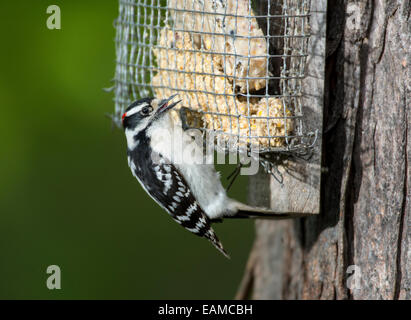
column 246, row 71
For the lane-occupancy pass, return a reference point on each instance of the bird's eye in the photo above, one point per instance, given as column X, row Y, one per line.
column 146, row 110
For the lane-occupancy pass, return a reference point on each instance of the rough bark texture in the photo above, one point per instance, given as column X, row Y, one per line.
column 365, row 215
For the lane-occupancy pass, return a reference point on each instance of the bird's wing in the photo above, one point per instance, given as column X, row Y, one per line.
column 167, row 186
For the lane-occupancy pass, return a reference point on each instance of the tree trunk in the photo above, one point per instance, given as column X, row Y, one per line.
column 359, row 247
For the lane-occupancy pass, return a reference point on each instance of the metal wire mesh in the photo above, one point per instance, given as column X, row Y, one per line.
column 237, row 65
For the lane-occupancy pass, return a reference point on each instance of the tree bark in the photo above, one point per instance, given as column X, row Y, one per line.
column 364, row 224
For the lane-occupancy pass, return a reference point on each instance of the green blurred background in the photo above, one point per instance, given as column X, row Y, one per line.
column 66, row 194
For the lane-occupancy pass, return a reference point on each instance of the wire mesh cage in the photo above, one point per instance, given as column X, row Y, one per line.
column 237, row 66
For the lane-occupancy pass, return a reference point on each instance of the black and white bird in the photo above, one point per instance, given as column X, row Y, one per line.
column 177, row 179
column 170, row 167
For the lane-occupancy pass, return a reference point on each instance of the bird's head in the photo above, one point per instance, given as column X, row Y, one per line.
column 144, row 112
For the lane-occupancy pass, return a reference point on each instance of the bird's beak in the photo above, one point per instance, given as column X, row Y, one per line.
column 165, row 105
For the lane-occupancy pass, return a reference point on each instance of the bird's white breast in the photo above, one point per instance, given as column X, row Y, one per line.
column 175, row 144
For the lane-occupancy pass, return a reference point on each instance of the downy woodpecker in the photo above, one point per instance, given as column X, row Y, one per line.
column 175, row 175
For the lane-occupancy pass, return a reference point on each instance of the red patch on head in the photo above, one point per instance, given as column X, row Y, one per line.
column 123, row 116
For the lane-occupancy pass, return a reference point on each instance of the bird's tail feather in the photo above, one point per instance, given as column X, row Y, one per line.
column 210, row 235
column 247, row 212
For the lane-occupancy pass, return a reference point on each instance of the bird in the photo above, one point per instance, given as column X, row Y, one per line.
column 170, row 167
